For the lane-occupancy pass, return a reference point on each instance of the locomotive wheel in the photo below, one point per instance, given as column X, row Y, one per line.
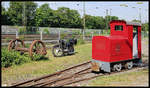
column 13, row 44
column 37, row 47
column 117, row 67
column 57, row 51
column 129, row 65
column 71, row 50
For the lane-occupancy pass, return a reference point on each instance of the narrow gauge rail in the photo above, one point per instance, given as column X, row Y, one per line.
column 58, row 75
column 75, row 74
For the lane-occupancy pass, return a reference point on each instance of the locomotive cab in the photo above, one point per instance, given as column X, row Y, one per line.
column 121, row 49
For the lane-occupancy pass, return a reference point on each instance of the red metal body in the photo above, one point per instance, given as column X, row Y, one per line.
column 119, row 45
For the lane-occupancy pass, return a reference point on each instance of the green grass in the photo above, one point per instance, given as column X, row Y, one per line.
column 84, row 52
column 39, row 68
column 125, row 79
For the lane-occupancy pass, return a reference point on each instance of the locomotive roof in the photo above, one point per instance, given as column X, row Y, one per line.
column 128, row 22
column 133, row 23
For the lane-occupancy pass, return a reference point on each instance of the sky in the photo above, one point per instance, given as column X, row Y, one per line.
column 98, row 8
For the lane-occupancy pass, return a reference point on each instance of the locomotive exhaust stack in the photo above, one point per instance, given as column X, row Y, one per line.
column 121, row 49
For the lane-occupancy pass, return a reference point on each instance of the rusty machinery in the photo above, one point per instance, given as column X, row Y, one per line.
column 36, row 47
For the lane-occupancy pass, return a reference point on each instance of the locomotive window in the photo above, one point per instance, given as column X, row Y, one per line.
column 135, row 28
column 118, row 27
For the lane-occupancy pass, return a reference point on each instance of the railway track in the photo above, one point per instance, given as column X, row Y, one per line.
column 78, row 69
column 74, row 74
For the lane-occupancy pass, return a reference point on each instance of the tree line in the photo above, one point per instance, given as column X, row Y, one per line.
column 28, row 14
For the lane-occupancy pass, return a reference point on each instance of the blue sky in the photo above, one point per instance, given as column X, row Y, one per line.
column 98, row 8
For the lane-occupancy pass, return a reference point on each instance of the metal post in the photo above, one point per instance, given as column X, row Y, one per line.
column 140, row 14
column 106, row 19
column 41, row 35
column 17, row 34
column 84, row 14
column 83, row 34
column 110, row 14
column 83, row 19
column 99, row 32
column 59, row 34
column 92, row 34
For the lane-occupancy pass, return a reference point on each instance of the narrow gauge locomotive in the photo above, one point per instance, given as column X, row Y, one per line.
column 121, row 49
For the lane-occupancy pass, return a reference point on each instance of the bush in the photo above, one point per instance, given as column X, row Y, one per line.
column 37, row 57
column 80, row 40
column 62, row 36
column 21, row 37
column 13, row 57
column 46, row 31
column 7, row 39
column 10, row 58
column 22, row 30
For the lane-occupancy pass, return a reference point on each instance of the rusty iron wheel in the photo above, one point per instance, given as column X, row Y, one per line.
column 13, row 44
column 37, row 47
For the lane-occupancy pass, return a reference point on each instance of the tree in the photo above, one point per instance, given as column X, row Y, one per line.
column 108, row 19
column 136, row 20
column 16, row 13
column 30, row 12
column 44, row 16
column 145, row 27
column 64, row 17
column 4, row 18
column 94, row 22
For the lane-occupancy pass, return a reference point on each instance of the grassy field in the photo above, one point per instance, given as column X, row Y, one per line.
column 136, row 78
column 39, row 68
column 83, row 53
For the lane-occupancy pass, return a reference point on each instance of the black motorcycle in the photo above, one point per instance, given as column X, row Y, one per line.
column 64, row 47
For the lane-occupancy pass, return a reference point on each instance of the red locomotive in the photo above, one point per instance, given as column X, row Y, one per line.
column 121, row 49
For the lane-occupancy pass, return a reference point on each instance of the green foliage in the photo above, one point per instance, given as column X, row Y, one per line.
column 4, row 18
column 10, row 58
column 15, row 13
column 44, row 16
column 7, row 39
column 62, row 36
column 21, row 37
column 94, row 22
column 22, row 30
column 108, row 19
column 80, row 40
column 145, row 27
column 13, row 57
column 46, row 31
column 37, row 57
column 65, row 17
column 136, row 20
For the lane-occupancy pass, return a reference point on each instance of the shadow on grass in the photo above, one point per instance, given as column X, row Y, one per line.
column 41, row 58
column 71, row 54
column 65, row 55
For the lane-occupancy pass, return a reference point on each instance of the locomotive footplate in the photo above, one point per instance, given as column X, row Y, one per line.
column 95, row 67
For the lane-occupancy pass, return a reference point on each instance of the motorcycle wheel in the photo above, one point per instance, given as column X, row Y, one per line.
column 71, row 50
column 57, row 51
